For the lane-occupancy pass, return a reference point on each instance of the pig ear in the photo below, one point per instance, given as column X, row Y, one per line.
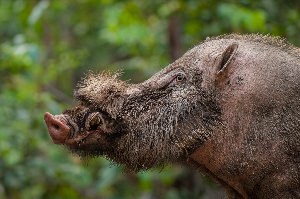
column 226, row 58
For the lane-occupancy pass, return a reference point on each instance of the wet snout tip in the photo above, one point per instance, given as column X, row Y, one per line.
column 56, row 128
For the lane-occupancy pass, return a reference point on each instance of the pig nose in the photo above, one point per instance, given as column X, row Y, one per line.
column 57, row 129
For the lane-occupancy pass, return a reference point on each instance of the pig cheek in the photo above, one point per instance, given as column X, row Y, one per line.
column 102, row 143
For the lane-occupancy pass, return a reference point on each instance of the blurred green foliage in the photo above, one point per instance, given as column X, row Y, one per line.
column 47, row 45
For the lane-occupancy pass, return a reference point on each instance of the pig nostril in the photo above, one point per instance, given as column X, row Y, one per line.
column 56, row 126
column 94, row 127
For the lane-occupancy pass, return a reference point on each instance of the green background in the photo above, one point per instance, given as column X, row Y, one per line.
column 47, row 46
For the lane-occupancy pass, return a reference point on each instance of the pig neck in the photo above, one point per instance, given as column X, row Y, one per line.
column 208, row 160
column 217, row 156
column 222, row 156
column 242, row 156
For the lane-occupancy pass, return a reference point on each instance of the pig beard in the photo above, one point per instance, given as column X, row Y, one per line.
column 159, row 127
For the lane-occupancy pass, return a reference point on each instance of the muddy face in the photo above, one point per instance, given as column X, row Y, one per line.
column 140, row 126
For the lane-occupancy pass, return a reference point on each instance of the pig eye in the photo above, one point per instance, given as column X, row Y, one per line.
column 93, row 121
column 177, row 79
column 180, row 77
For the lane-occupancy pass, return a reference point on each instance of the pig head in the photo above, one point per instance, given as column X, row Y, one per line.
column 159, row 121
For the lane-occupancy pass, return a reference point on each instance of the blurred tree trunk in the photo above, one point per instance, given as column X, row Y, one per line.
column 174, row 36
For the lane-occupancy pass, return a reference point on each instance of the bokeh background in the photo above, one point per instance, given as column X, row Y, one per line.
column 47, row 46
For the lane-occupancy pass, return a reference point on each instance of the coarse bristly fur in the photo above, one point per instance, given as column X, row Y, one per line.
column 158, row 127
column 230, row 105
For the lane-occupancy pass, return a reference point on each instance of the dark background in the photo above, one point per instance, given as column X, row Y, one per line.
column 47, row 46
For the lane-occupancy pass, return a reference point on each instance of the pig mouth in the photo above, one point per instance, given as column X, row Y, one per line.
column 62, row 131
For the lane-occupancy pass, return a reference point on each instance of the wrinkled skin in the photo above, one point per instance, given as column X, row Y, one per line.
column 230, row 107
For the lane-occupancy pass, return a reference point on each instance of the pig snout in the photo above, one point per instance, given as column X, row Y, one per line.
column 57, row 128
